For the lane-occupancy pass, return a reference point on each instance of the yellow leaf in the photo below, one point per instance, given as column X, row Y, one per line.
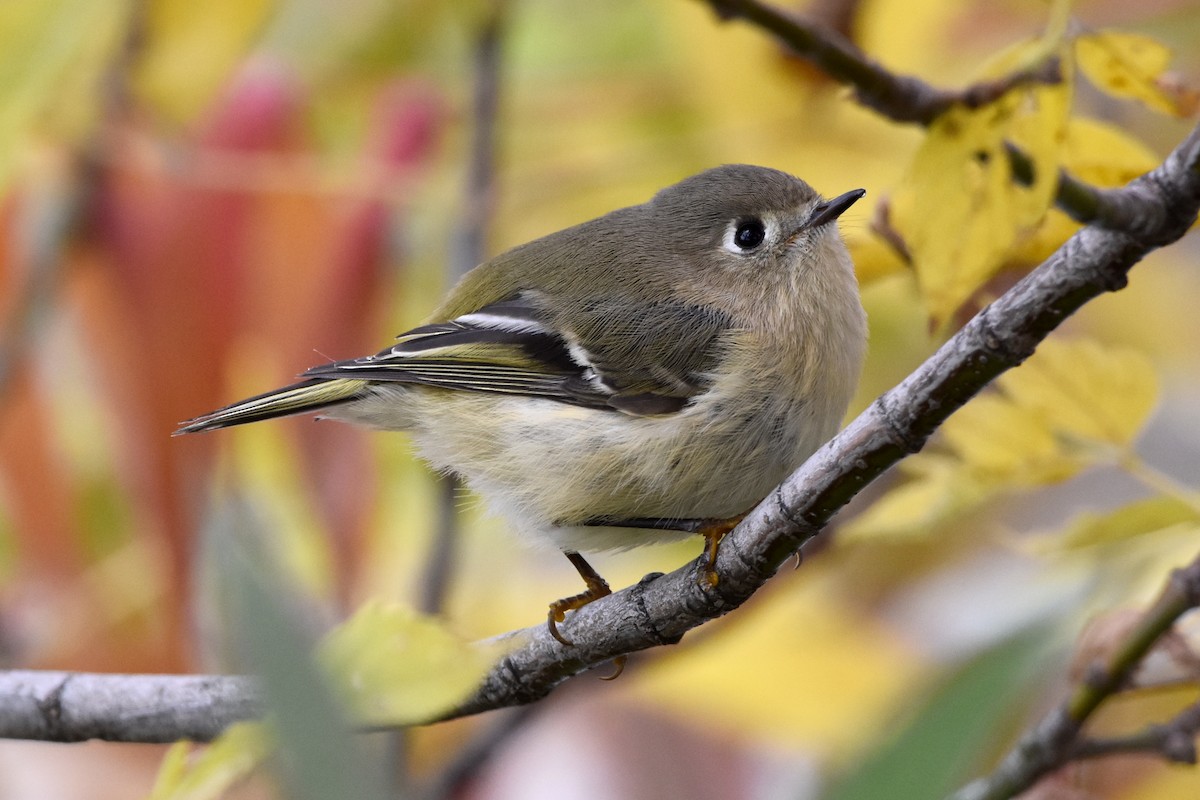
column 940, row 491
column 1060, row 412
column 190, row 49
column 1098, row 154
column 874, row 259
column 1129, row 65
column 397, row 666
column 1139, row 518
column 1085, row 391
column 1004, row 444
column 959, row 210
column 1104, row 155
column 846, row 672
column 227, row 760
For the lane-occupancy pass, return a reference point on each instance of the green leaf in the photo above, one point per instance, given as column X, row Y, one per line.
column 1139, row 518
column 963, row 717
column 318, row 756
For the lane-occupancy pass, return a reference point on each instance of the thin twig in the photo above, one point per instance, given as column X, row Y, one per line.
column 1055, row 739
column 1174, row 740
column 468, row 248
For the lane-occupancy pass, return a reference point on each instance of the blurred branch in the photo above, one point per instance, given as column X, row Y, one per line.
column 906, row 98
column 75, row 707
column 1055, row 740
column 468, row 246
column 1174, row 740
column 50, row 216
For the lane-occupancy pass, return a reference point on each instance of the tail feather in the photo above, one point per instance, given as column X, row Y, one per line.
column 298, row 398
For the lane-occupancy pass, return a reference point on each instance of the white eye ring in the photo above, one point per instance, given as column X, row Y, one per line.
column 747, row 235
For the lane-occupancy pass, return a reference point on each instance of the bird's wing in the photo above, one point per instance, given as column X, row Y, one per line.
column 640, row 360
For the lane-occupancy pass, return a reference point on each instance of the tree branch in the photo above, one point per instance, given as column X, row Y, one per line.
column 660, row 609
column 906, row 98
column 1174, row 740
column 75, row 707
column 901, row 98
column 1055, row 740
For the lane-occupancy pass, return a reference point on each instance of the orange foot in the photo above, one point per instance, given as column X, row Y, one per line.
column 597, row 587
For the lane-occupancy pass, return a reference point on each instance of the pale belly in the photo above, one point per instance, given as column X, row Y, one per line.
column 546, row 467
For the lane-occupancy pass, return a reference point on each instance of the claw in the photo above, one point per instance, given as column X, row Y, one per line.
column 713, row 532
column 618, row 667
column 597, row 587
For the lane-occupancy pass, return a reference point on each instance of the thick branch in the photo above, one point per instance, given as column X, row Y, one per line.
column 75, row 707
column 660, row 609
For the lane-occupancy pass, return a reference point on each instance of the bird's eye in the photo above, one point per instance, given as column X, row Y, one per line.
column 749, row 234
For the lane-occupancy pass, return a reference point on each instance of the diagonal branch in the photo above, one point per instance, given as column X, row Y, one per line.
column 660, row 609
column 1055, row 740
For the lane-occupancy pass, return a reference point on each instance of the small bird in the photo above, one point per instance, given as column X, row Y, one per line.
column 646, row 375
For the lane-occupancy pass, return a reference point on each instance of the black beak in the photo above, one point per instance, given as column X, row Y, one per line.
column 832, row 209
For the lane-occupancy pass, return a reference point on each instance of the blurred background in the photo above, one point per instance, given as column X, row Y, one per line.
column 200, row 200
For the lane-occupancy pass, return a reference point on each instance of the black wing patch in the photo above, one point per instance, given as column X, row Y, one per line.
column 512, row 347
column 506, row 347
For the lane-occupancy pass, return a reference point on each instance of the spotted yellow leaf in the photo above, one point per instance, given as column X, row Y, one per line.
column 960, row 210
column 1098, row 154
column 1129, row 65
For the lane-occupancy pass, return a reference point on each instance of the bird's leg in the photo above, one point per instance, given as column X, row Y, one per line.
column 597, row 587
column 712, row 529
